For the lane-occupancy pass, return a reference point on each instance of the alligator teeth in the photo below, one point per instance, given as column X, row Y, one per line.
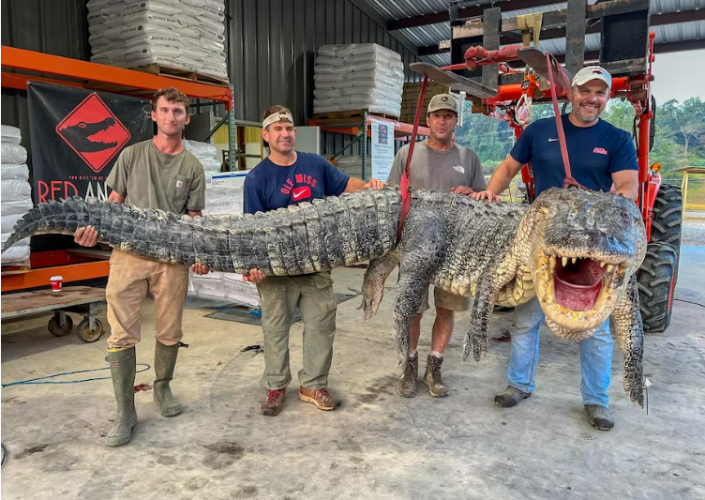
column 609, row 268
column 602, row 264
column 574, row 260
column 564, row 261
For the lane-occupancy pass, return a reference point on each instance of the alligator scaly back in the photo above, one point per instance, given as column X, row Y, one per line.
column 311, row 237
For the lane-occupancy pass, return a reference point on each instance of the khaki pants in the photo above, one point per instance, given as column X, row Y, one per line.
column 444, row 300
column 316, row 300
column 130, row 278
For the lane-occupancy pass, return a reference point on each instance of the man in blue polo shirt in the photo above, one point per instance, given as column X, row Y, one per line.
column 600, row 155
column 288, row 177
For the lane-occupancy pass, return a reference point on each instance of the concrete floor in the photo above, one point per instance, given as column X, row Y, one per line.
column 377, row 445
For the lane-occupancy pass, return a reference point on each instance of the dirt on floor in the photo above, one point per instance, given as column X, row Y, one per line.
column 377, row 445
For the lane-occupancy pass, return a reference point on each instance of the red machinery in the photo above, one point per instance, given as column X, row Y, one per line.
column 544, row 80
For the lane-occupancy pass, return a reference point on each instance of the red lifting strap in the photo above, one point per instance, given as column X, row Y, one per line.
column 560, row 85
column 405, row 182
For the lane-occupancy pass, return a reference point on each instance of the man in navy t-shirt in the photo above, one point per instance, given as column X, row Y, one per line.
column 600, row 155
column 288, row 177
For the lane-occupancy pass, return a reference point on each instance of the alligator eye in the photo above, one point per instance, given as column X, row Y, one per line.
column 82, row 125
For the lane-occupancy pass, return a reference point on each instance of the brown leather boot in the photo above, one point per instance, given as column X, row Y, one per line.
column 320, row 397
column 433, row 379
column 407, row 385
column 273, row 403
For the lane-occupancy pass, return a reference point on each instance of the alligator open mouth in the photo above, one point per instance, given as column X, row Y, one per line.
column 578, row 292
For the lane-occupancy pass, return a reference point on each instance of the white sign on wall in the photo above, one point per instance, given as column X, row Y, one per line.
column 382, row 149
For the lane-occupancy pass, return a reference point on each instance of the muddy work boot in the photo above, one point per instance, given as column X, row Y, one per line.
column 320, row 397
column 164, row 362
column 599, row 417
column 123, row 365
column 511, row 397
column 432, row 379
column 273, row 403
column 407, row 385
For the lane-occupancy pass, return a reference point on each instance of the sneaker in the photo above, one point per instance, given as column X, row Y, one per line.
column 433, row 379
column 599, row 417
column 273, row 403
column 407, row 385
column 511, row 397
column 320, row 397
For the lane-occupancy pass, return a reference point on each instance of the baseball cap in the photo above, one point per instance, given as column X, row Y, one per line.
column 443, row 101
column 590, row 73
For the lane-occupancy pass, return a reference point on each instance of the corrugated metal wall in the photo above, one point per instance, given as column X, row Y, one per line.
column 272, row 46
column 56, row 27
column 272, row 50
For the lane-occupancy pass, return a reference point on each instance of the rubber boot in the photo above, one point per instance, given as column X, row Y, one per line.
column 123, row 365
column 164, row 362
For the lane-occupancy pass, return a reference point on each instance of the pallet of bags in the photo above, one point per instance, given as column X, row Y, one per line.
column 177, row 35
column 207, row 154
column 356, row 77
column 16, row 196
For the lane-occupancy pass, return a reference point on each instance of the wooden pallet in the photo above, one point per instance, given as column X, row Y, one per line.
column 194, row 76
column 16, row 267
column 351, row 115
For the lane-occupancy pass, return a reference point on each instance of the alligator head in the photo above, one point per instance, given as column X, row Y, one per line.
column 79, row 135
column 585, row 246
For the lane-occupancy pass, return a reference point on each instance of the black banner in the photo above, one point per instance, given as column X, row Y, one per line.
column 77, row 135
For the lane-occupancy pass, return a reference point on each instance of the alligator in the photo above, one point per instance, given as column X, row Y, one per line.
column 576, row 251
column 79, row 135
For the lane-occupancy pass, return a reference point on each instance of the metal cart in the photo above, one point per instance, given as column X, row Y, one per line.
column 85, row 300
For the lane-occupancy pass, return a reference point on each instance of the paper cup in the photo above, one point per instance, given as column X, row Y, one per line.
column 56, row 282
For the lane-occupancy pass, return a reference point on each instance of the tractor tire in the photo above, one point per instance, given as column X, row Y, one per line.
column 656, row 281
column 668, row 216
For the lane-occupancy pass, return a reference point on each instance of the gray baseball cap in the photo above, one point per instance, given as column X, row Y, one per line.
column 443, row 101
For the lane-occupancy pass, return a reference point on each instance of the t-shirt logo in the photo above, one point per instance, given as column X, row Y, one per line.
column 459, row 168
column 601, row 151
column 301, row 193
column 179, row 184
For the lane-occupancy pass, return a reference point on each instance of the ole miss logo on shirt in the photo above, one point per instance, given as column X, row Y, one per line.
column 299, row 188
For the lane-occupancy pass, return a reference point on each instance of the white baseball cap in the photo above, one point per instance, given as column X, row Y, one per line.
column 590, row 73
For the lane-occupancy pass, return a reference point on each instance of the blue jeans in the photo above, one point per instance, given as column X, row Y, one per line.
column 595, row 355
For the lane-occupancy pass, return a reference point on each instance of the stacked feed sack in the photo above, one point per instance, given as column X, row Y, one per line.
column 187, row 35
column 357, row 77
column 16, row 192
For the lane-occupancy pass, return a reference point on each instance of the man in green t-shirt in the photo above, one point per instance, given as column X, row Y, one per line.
column 439, row 164
column 159, row 173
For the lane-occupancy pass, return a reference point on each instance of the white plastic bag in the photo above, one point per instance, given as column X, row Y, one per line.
column 14, row 190
column 16, row 207
column 7, row 222
column 151, row 6
column 11, row 134
column 13, row 153
column 13, row 171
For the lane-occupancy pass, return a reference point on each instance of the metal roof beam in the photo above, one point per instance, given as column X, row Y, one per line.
column 444, row 16
column 552, row 33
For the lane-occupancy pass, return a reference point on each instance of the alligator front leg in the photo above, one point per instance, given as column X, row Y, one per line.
column 629, row 331
column 491, row 281
column 423, row 251
column 373, row 283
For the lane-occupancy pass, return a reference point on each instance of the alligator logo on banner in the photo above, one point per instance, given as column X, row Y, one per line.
column 93, row 132
column 77, row 135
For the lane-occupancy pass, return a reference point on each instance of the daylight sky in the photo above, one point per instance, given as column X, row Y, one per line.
column 679, row 75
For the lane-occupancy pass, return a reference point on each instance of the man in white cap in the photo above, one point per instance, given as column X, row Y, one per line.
column 288, row 177
column 601, row 155
column 438, row 163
